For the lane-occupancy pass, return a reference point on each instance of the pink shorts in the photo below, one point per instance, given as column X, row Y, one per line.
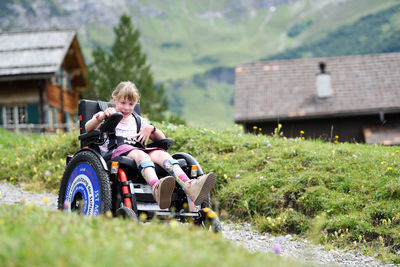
column 124, row 150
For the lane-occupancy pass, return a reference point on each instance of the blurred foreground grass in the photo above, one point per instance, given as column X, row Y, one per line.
column 31, row 236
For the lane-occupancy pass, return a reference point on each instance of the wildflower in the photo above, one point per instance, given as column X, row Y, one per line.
column 281, row 239
column 66, row 205
column 49, row 179
column 277, row 249
column 336, row 136
column 291, row 177
column 225, row 176
column 301, row 132
column 12, row 179
column 393, row 154
column 226, row 158
column 47, row 173
column 173, row 224
column 239, row 135
column 5, row 180
column 389, row 168
column 211, row 214
column 237, row 175
column 45, row 200
column 383, row 162
column 269, row 145
column 354, row 156
column 255, row 127
column 336, row 141
column 143, row 216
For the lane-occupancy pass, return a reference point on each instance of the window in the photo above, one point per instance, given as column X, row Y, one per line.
column 15, row 115
column 22, row 114
column 9, row 115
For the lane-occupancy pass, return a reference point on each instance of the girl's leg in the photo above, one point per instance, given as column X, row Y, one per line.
column 169, row 164
column 196, row 189
column 162, row 189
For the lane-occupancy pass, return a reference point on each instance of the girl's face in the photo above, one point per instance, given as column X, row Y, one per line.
column 124, row 106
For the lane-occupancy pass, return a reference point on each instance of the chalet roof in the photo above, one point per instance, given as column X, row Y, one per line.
column 33, row 53
column 286, row 89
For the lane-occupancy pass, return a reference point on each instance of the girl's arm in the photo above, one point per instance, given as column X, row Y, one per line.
column 95, row 121
column 149, row 131
column 98, row 119
column 156, row 134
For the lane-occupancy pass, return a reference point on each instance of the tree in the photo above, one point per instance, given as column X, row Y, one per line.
column 125, row 61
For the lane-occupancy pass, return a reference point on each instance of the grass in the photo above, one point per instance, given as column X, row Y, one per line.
column 338, row 194
column 69, row 240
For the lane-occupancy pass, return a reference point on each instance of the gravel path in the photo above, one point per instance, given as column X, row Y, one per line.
column 242, row 235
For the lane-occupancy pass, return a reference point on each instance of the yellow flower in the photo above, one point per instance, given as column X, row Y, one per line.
column 12, row 179
column 45, row 200
column 211, row 215
column 49, row 179
column 336, row 141
column 225, row 158
column 255, row 127
column 336, row 136
column 389, row 168
column 206, row 210
column 301, row 132
column 5, row 180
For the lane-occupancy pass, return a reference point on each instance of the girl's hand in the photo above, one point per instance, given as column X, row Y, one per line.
column 108, row 112
column 144, row 135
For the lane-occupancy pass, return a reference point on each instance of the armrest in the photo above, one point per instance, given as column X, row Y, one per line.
column 89, row 135
column 163, row 143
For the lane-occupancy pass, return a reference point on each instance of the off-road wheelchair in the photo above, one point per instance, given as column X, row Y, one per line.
column 93, row 184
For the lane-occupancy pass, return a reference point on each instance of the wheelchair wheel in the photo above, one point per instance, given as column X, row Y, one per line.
column 85, row 187
column 127, row 213
column 210, row 220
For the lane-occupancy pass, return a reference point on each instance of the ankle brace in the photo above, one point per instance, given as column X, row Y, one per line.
column 167, row 164
column 144, row 165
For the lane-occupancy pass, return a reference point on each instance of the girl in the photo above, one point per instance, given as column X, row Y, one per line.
column 125, row 96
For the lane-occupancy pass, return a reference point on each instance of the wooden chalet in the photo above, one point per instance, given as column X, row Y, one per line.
column 40, row 73
column 356, row 98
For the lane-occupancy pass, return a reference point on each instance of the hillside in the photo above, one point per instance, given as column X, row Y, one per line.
column 337, row 194
column 189, row 42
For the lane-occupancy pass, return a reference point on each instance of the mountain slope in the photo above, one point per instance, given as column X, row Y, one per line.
column 188, row 41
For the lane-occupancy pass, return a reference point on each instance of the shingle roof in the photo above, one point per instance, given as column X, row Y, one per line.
column 33, row 52
column 286, row 89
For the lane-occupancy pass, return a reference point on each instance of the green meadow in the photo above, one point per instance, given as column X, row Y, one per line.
column 336, row 194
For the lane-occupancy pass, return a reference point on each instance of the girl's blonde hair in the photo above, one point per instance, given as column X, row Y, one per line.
column 126, row 90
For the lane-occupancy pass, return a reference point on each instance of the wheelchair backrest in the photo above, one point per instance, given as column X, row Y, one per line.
column 87, row 108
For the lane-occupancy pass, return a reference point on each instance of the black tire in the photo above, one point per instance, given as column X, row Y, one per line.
column 127, row 213
column 85, row 186
column 207, row 202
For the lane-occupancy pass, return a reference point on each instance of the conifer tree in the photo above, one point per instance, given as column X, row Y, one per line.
column 125, row 61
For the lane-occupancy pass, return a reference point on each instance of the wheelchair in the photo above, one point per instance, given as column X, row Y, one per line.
column 93, row 184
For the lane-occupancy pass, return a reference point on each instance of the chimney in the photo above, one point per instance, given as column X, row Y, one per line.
column 323, row 82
